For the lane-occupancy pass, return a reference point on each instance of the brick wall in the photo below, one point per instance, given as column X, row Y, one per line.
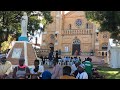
column 14, row 61
column 31, row 54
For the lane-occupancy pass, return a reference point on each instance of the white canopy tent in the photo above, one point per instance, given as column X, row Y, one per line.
column 113, row 54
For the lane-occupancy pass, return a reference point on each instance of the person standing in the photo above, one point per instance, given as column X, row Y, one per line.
column 56, row 57
column 88, row 67
column 76, row 53
column 50, row 57
column 43, row 61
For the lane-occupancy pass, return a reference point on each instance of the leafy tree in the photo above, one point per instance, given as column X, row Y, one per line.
column 108, row 20
column 10, row 22
column 6, row 44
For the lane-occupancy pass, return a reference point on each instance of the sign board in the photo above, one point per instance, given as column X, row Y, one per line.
column 16, row 53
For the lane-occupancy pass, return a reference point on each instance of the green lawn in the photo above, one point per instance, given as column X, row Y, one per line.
column 109, row 73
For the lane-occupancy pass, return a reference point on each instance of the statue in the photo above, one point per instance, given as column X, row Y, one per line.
column 24, row 23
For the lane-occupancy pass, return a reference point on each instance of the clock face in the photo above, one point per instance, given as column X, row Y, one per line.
column 78, row 22
column 16, row 53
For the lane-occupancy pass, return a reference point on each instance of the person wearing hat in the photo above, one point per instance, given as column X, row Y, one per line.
column 5, row 67
column 81, row 72
column 21, row 71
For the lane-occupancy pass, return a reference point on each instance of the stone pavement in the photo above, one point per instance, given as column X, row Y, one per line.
column 94, row 58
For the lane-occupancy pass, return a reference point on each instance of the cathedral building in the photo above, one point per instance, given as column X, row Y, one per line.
column 72, row 33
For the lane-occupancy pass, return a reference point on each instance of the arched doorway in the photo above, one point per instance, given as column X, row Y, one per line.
column 51, row 45
column 76, row 46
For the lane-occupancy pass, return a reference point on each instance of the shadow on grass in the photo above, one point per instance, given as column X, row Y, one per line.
column 109, row 73
column 116, row 76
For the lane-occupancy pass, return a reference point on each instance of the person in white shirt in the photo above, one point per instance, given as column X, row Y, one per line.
column 81, row 72
column 37, row 71
column 74, row 66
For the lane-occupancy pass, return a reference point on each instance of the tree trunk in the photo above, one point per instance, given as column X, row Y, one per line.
column 33, row 32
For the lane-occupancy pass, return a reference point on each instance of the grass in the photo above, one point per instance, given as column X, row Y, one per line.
column 109, row 73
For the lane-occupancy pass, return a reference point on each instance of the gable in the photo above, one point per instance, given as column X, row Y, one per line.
column 73, row 14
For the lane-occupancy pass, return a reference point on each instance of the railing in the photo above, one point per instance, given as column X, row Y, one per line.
column 83, row 53
column 66, row 53
column 76, row 31
column 87, row 53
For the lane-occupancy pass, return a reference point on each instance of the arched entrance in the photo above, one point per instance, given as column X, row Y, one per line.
column 51, row 45
column 76, row 47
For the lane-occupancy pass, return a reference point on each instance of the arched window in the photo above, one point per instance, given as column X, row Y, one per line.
column 76, row 41
column 104, row 46
column 105, row 36
column 97, row 33
column 102, row 53
column 106, row 53
column 87, row 26
column 51, row 45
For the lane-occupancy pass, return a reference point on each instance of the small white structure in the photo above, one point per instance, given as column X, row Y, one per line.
column 113, row 54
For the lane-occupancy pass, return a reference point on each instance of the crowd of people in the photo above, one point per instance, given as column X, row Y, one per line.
column 78, row 70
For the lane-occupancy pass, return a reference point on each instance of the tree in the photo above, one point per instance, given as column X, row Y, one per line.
column 108, row 20
column 6, row 44
column 34, row 22
column 10, row 22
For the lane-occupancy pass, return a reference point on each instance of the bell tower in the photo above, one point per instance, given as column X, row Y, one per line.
column 58, row 20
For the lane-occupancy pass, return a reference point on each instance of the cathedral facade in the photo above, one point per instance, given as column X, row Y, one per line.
column 72, row 33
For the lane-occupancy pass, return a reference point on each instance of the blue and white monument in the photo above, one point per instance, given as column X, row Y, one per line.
column 22, row 48
column 24, row 23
